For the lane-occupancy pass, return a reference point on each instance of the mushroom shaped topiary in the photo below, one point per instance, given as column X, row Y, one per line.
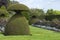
column 18, row 24
column 18, row 7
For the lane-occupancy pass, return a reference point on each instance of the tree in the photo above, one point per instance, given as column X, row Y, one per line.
column 4, row 14
column 37, row 12
column 4, row 2
column 49, row 12
column 56, row 12
column 36, row 15
column 14, row 2
column 52, row 14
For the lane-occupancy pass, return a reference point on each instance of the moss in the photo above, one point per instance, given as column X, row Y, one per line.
column 17, row 7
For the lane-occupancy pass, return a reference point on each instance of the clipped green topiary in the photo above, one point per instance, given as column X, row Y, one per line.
column 3, row 12
column 18, row 24
column 17, row 7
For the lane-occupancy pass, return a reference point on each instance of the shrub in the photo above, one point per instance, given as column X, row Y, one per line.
column 18, row 25
column 17, row 7
column 4, row 13
column 34, row 20
column 20, row 8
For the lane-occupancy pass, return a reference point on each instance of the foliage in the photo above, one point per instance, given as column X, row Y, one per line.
column 56, row 12
column 26, row 14
column 18, row 25
column 3, row 7
column 52, row 14
column 57, row 22
column 34, row 20
column 14, row 2
column 37, row 12
column 51, row 17
column 17, row 7
column 49, row 12
column 20, row 8
column 36, row 15
column 4, row 12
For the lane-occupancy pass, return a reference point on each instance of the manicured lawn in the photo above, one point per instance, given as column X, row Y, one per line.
column 37, row 34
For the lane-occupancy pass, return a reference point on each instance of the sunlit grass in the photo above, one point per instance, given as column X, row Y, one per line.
column 37, row 34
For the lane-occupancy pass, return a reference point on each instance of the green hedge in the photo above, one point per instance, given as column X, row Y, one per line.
column 51, row 17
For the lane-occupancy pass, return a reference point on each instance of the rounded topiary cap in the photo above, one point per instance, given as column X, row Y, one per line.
column 18, row 7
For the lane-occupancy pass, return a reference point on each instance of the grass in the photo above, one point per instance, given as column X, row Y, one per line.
column 37, row 34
